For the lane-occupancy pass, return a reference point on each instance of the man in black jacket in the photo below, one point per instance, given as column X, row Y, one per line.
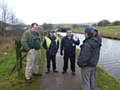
column 96, row 34
column 68, row 44
column 51, row 44
column 88, row 59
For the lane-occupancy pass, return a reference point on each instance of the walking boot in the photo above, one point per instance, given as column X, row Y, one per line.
column 63, row 72
column 38, row 74
column 54, row 70
column 73, row 73
column 47, row 71
column 29, row 80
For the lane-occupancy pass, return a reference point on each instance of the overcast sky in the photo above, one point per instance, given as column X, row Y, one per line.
column 65, row 11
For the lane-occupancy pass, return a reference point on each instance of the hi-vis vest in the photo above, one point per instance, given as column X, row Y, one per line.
column 48, row 41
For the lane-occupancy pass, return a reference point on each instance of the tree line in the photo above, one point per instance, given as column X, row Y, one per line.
column 108, row 23
column 47, row 26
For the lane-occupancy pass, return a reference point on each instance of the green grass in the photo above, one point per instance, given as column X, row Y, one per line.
column 105, row 81
column 107, row 29
column 77, row 52
column 16, row 81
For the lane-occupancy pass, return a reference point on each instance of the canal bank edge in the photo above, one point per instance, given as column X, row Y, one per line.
column 104, row 35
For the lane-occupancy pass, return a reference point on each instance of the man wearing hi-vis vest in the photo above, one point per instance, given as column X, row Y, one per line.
column 51, row 44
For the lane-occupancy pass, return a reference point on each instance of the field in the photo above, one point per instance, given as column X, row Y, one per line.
column 112, row 32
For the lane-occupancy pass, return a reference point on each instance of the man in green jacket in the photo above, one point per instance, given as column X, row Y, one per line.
column 31, row 44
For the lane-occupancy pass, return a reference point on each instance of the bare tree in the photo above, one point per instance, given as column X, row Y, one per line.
column 8, row 18
column 5, row 17
column 13, row 20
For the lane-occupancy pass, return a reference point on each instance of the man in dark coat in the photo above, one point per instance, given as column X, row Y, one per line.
column 88, row 59
column 68, row 45
column 96, row 34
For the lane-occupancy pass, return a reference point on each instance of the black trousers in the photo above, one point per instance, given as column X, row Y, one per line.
column 72, row 62
column 49, row 58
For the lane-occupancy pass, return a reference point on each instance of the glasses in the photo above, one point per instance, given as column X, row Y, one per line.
column 35, row 27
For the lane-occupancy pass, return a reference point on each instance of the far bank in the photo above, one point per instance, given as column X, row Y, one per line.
column 111, row 32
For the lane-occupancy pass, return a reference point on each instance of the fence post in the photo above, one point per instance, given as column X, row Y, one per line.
column 18, row 57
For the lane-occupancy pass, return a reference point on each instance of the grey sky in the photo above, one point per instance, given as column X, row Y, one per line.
column 65, row 11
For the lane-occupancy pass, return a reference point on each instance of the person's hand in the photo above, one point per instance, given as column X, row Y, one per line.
column 61, row 53
column 29, row 52
column 76, row 37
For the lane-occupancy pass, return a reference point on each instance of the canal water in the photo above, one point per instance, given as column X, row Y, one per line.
column 109, row 55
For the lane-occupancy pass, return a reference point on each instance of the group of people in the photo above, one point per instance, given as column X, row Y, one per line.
column 87, row 60
column 68, row 45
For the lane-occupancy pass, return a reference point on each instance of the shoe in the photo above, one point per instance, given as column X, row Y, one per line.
column 63, row 72
column 47, row 71
column 38, row 74
column 28, row 80
column 73, row 73
column 54, row 70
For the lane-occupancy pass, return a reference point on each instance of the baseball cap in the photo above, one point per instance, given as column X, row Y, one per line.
column 89, row 30
column 51, row 31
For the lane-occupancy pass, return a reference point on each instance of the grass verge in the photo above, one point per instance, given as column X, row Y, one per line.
column 15, row 81
column 105, row 81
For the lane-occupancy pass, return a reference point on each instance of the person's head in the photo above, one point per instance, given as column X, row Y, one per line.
column 34, row 27
column 51, row 33
column 95, row 31
column 89, row 32
column 69, row 32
